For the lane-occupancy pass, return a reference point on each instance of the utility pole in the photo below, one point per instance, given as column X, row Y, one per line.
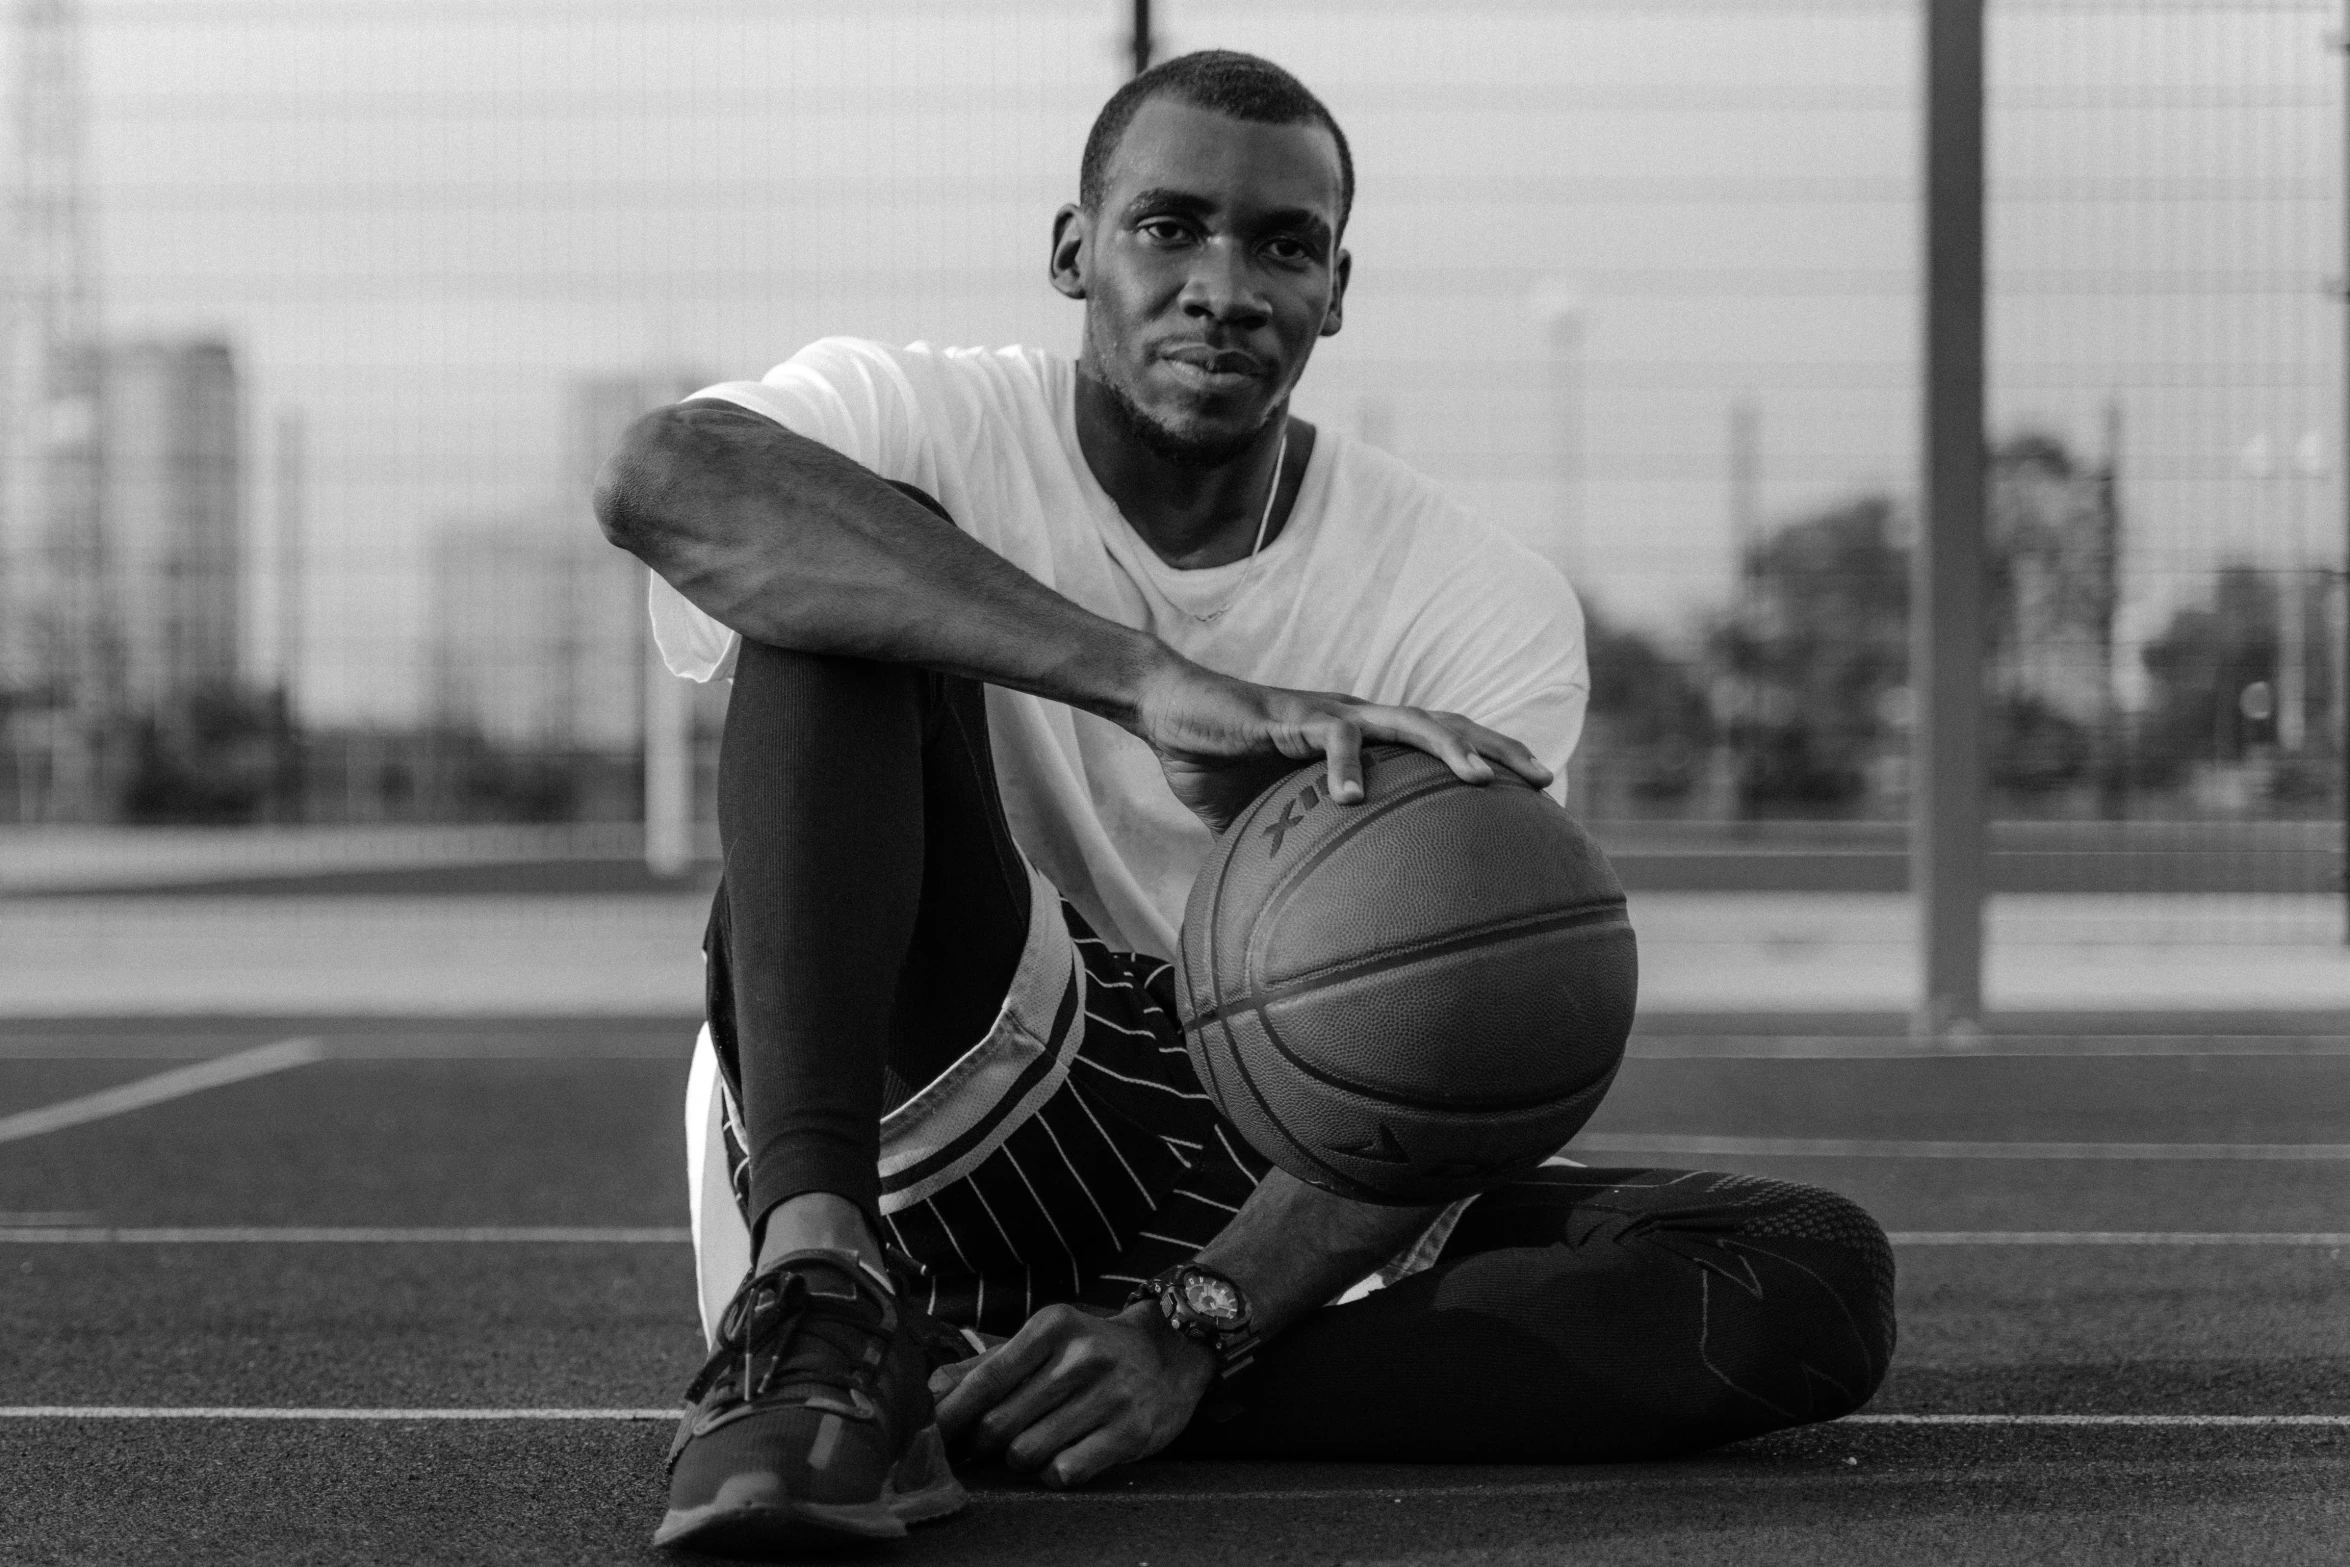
column 1746, row 544
column 1144, row 44
column 2112, row 765
column 291, row 480
column 1559, row 309
column 1947, row 771
column 52, row 599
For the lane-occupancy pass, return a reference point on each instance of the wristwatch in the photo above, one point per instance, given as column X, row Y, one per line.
column 1205, row 1307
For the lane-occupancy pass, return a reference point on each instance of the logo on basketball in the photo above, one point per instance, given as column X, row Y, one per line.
column 1292, row 815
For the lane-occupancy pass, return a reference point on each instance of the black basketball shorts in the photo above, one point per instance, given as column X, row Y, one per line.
column 1070, row 1154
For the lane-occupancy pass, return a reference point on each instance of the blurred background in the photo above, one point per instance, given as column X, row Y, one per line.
column 319, row 689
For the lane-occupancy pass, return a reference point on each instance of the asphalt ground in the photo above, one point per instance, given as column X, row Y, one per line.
column 2129, row 1221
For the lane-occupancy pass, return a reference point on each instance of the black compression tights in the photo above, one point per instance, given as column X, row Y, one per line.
column 872, row 911
column 1586, row 1316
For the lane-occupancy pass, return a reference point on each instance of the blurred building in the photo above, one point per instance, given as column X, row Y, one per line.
column 534, row 634
column 123, row 589
column 55, row 650
column 538, row 625
column 171, row 500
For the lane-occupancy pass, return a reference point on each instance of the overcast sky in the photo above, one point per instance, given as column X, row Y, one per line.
column 421, row 220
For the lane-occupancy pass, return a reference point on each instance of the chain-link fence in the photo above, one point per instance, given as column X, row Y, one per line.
column 326, row 311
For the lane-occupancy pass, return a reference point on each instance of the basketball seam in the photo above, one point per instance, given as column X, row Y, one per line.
column 1239, row 1065
column 1260, row 1000
column 1588, row 914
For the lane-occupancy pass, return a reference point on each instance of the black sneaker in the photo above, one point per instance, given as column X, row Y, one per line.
column 812, row 1423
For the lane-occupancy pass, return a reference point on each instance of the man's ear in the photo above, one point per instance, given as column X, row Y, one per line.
column 1067, row 265
column 1334, row 315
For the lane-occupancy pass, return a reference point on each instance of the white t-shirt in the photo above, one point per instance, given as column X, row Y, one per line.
column 1377, row 586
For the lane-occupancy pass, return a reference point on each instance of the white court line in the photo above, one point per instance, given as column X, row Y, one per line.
column 678, row 1235
column 1778, row 1047
column 2179, row 1422
column 273, row 1412
column 344, row 1235
column 247, row 1412
column 1875, row 1148
column 2119, row 1238
column 220, row 1070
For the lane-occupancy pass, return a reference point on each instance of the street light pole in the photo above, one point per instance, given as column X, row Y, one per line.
column 1143, row 42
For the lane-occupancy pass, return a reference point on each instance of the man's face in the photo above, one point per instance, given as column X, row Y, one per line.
column 1208, row 272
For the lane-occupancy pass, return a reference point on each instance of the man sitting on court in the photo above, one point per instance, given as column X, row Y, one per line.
column 1009, row 636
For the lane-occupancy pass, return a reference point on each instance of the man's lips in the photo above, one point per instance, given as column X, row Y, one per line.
column 1213, row 360
column 1214, row 369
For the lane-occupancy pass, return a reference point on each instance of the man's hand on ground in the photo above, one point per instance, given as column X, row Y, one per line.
column 1221, row 741
column 1072, row 1394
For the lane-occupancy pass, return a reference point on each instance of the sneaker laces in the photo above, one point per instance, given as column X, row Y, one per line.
column 780, row 1332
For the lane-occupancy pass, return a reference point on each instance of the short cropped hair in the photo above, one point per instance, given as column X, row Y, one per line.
column 1222, row 81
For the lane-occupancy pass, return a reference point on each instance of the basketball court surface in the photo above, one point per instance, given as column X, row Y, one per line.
column 334, row 1291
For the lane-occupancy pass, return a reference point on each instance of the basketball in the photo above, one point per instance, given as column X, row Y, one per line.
column 1408, row 999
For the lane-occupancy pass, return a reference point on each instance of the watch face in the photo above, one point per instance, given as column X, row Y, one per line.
column 1211, row 1297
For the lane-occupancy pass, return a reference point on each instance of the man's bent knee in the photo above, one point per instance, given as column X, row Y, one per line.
column 1809, row 1325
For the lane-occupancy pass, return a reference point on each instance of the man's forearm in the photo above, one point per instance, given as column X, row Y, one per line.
column 1292, row 1247
column 790, row 543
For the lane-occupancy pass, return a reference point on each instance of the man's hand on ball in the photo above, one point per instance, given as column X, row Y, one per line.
column 1072, row 1394
column 1220, row 741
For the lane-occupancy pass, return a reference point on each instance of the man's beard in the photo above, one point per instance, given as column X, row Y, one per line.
column 1184, row 451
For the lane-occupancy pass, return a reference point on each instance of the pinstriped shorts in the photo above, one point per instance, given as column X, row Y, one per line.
column 1068, row 1155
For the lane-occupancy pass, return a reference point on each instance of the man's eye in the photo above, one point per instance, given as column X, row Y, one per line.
column 1165, row 231
column 1288, row 252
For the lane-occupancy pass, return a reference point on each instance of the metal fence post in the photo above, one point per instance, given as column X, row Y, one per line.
column 1947, row 635
column 669, row 766
column 2342, row 44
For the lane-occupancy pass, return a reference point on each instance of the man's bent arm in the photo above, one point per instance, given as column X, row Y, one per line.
column 1294, row 1247
column 1072, row 1394
column 792, row 544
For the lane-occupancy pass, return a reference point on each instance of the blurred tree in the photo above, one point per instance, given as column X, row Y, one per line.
column 2205, row 668
column 2053, row 539
column 208, row 757
column 1816, row 659
column 1815, row 656
column 1652, row 724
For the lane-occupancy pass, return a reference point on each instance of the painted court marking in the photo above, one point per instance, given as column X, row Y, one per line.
column 530, row 1414
column 215, row 1073
column 1782, row 1047
column 72, row 1233
column 2119, row 1238
column 1903, row 1148
column 344, row 1235
column 244, row 1412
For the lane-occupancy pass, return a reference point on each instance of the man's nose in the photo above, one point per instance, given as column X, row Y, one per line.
column 1223, row 288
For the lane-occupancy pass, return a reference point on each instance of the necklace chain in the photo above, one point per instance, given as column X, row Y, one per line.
column 1272, row 492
